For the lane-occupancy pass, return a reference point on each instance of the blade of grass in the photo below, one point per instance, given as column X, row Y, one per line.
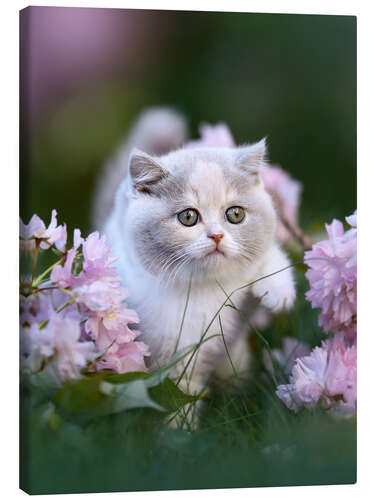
column 252, row 328
column 226, row 349
column 223, row 305
column 183, row 316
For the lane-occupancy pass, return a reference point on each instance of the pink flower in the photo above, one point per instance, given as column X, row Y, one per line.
column 112, row 326
column 35, row 347
column 70, row 355
column 99, row 296
column 341, row 377
column 111, row 331
column 286, row 193
column 333, row 279
column 60, row 243
column 352, row 219
column 36, row 230
column 62, row 274
column 77, row 240
column 218, row 136
column 87, row 317
column 327, row 376
column 35, row 308
column 128, row 357
column 97, row 261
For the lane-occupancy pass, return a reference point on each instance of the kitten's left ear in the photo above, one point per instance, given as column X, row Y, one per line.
column 251, row 158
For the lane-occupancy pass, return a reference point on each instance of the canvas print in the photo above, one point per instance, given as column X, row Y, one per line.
column 188, row 242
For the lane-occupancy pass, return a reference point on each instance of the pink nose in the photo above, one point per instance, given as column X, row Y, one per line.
column 216, row 237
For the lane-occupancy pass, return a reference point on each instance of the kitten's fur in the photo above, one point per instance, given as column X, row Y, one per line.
column 158, row 256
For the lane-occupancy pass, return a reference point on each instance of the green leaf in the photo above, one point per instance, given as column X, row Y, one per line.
column 153, row 378
column 132, row 395
column 83, row 398
column 105, row 393
column 170, row 396
column 118, row 378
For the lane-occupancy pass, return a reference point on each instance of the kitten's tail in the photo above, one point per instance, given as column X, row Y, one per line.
column 157, row 131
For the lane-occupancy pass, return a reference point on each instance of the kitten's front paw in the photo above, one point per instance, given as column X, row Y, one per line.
column 276, row 295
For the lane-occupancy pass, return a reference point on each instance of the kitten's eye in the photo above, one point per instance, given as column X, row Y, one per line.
column 188, row 217
column 235, row 215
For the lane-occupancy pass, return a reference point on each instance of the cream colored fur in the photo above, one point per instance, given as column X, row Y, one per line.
column 159, row 257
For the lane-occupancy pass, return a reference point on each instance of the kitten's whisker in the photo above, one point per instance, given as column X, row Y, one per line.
column 170, row 262
column 179, row 260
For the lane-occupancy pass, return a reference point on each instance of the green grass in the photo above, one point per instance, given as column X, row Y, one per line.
column 246, row 438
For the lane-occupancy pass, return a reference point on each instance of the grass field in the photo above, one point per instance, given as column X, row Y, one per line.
column 246, row 437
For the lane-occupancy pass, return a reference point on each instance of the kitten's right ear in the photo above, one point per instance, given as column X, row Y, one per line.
column 145, row 171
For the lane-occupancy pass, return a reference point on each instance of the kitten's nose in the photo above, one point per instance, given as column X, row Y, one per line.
column 217, row 237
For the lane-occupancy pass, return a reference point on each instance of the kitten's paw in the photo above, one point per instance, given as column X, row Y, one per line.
column 276, row 296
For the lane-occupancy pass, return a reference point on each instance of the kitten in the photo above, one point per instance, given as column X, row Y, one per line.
column 199, row 220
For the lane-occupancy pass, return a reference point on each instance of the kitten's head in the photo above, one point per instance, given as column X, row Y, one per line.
column 201, row 210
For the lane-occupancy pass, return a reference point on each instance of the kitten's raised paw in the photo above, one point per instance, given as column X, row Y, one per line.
column 276, row 297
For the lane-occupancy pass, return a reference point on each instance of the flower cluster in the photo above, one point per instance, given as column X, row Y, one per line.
column 285, row 191
column 327, row 376
column 76, row 317
column 333, row 278
column 214, row 136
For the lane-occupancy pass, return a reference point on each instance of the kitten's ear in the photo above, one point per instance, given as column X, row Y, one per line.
column 145, row 171
column 251, row 158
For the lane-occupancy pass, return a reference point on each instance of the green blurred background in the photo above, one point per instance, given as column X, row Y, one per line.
column 87, row 73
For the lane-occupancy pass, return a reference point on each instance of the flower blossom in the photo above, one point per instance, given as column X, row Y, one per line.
column 285, row 191
column 35, row 347
column 332, row 275
column 99, row 295
column 127, row 357
column 97, row 290
column 326, row 377
column 60, row 340
column 35, row 308
column 36, row 230
column 78, row 315
column 70, row 354
column 217, row 136
column 97, row 262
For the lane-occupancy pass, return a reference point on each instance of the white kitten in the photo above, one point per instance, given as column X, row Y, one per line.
column 199, row 216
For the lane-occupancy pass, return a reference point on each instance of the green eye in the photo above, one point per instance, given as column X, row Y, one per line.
column 188, row 217
column 235, row 215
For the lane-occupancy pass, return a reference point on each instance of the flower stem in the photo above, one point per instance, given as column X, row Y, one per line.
column 296, row 232
column 44, row 273
column 67, row 304
column 36, row 252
